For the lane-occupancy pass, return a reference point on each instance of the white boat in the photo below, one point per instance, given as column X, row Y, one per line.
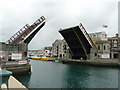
column 57, row 60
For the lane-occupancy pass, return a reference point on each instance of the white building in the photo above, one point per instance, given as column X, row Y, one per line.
column 34, row 53
column 98, row 36
column 102, row 44
column 103, row 48
column 59, row 48
column 47, row 51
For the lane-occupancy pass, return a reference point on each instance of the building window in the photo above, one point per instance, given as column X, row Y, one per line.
column 95, row 54
column 98, row 47
column 94, row 35
column 115, row 43
column 105, row 36
column 60, row 55
column 119, row 44
column 108, row 47
column 104, row 47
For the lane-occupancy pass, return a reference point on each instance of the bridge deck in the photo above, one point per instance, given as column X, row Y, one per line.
column 25, row 34
column 78, row 40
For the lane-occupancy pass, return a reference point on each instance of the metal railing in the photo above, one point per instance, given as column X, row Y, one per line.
column 87, row 35
column 13, row 38
column 23, row 32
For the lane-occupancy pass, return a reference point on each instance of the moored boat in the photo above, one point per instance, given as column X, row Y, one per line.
column 57, row 60
column 36, row 58
column 43, row 58
column 47, row 59
column 29, row 57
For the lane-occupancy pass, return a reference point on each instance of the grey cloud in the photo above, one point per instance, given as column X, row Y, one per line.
column 58, row 15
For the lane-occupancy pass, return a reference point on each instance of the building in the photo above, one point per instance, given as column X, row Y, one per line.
column 59, row 48
column 9, row 52
column 47, row 51
column 37, row 53
column 103, row 49
column 114, row 45
column 102, row 44
column 98, row 36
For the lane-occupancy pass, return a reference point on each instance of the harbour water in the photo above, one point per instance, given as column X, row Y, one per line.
column 58, row 75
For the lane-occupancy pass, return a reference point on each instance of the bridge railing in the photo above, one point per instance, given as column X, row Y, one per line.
column 17, row 34
column 23, row 32
column 87, row 35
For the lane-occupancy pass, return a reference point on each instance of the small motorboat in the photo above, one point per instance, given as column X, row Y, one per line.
column 57, row 60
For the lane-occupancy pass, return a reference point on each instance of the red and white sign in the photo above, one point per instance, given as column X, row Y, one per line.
column 22, row 62
column 16, row 56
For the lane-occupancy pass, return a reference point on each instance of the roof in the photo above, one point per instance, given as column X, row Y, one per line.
column 102, row 41
column 96, row 33
column 57, row 41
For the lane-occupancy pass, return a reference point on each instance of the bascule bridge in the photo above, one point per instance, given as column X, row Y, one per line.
column 79, row 41
column 18, row 43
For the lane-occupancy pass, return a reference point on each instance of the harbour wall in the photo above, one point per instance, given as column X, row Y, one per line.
column 95, row 62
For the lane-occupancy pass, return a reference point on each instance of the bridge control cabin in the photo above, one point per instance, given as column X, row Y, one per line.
column 9, row 52
column 78, row 41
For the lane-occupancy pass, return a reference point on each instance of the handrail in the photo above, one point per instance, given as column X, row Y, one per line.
column 86, row 35
column 16, row 34
column 24, row 31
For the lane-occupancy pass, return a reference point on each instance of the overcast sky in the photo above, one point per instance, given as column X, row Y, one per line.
column 93, row 14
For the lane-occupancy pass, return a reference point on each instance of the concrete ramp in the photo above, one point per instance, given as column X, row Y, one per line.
column 78, row 40
column 13, row 83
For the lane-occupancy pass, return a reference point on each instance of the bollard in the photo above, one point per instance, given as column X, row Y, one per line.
column 4, row 75
column 4, row 87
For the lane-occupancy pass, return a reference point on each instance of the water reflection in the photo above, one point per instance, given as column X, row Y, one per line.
column 75, row 77
column 101, row 77
column 78, row 76
column 58, row 75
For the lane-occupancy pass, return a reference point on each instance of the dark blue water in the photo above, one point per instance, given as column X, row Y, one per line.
column 58, row 75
